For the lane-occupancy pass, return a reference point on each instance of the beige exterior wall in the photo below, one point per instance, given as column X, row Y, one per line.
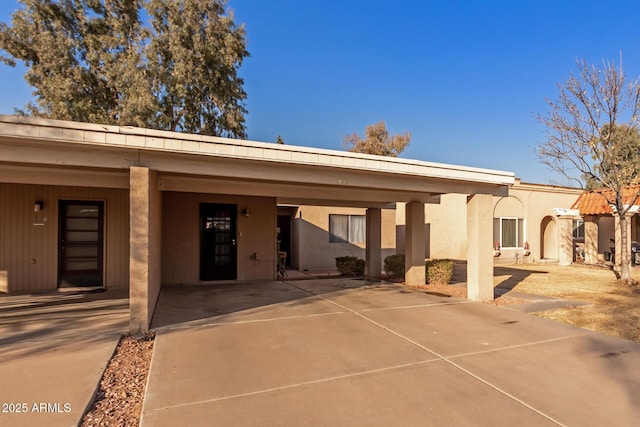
column 538, row 202
column 446, row 222
column 445, row 227
column 181, row 236
column 310, row 229
column 29, row 253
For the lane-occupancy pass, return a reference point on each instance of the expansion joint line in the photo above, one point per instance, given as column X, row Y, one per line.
column 443, row 358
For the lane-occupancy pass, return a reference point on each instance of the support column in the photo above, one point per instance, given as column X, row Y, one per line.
column 565, row 240
column 144, row 246
column 373, row 250
column 479, row 247
column 590, row 239
column 618, row 239
column 414, row 261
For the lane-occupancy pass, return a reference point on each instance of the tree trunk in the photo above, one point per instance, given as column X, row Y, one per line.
column 625, row 271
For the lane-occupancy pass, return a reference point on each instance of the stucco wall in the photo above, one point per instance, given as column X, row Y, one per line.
column 538, row 202
column 448, row 227
column 181, row 236
column 606, row 231
column 445, row 227
column 145, row 236
column 446, row 222
column 315, row 252
column 29, row 253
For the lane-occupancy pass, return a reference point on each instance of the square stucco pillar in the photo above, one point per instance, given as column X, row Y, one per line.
column 479, row 247
column 145, row 246
column 590, row 240
column 373, row 250
column 565, row 240
column 619, row 248
column 414, row 262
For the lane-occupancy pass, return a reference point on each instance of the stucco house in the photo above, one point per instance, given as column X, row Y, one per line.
column 599, row 235
column 530, row 224
column 95, row 205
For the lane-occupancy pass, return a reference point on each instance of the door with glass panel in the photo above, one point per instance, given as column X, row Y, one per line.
column 218, row 246
column 80, row 243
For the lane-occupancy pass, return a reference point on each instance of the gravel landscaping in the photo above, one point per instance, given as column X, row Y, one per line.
column 118, row 401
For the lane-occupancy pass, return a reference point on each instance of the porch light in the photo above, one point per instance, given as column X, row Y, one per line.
column 38, row 218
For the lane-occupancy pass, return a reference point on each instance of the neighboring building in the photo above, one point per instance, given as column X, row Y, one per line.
column 526, row 227
column 598, row 236
column 95, row 205
column 320, row 234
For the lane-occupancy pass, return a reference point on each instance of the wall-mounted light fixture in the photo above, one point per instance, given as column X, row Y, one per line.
column 246, row 212
column 38, row 218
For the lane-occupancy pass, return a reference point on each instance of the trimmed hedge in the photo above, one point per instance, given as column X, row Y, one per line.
column 394, row 266
column 439, row 271
column 350, row 265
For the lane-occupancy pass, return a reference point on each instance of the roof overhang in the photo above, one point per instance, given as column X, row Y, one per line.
column 42, row 151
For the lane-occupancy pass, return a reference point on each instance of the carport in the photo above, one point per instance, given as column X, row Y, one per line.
column 158, row 187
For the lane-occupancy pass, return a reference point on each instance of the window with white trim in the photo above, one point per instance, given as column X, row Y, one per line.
column 578, row 229
column 347, row 228
column 509, row 232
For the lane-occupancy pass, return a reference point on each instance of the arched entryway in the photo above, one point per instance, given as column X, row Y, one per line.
column 548, row 238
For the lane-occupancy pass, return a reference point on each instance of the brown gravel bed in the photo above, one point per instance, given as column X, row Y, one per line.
column 505, row 300
column 118, row 401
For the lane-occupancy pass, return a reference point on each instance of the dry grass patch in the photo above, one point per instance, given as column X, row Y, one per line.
column 614, row 309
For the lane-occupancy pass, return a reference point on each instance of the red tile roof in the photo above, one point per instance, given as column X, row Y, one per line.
column 593, row 202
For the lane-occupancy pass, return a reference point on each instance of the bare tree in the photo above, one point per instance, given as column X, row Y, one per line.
column 377, row 141
column 592, row 131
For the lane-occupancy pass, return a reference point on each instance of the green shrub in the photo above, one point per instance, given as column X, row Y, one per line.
column 350, row 265
column 439, row 271
column 394, row 266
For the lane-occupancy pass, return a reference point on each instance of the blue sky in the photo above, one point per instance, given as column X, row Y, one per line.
column 466, row 78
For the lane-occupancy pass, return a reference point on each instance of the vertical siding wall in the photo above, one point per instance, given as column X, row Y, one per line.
column 181, row 236
column 29, row 253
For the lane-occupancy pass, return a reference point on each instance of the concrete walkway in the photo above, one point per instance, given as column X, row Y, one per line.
column 344, row 352
column 536, row 303
column 53, row 350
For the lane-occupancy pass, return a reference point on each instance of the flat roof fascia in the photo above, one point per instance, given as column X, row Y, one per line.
column 132, row 138
column 546, row 188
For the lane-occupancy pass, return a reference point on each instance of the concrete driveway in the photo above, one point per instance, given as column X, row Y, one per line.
column 344, row 352
column 54, row 348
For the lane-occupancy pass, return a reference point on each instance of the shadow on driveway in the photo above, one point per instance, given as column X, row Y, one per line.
column 185, row 304
column 54, row 348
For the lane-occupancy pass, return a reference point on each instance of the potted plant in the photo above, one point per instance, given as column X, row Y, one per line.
column 527, row 252
column 496, row 249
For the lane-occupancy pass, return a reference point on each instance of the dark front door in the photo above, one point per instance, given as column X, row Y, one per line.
column 218, row 249
column 80, row 243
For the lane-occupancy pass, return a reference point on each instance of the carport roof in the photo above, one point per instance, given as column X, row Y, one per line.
column 184, row 159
